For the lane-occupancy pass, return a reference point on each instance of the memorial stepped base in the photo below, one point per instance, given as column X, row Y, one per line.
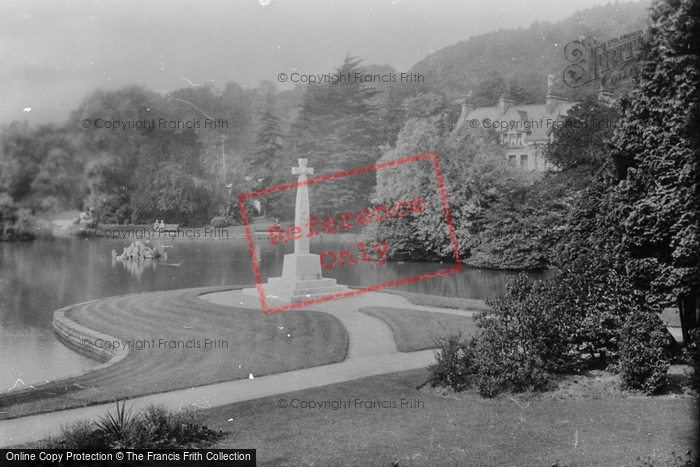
column 291, row 291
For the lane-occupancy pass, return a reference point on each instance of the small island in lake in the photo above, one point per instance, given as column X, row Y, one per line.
column 138, row 251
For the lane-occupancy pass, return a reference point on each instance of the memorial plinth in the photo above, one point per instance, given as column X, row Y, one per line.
column 301, row 272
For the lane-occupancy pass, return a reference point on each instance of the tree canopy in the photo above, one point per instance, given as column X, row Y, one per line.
column 640, row 216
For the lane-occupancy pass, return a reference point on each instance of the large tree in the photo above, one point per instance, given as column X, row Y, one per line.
column 581, row 138
column 112, row 156
column 169, row 179
column 337, row 129
column 475, row 172
column 263, row 168
column 656, row 147
column 40, row 167
column 639, row 216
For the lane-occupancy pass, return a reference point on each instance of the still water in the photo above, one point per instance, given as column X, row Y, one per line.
column 39, row 277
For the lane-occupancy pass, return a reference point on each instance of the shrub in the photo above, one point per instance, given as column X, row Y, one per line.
column 118, row 429
column 159, row 428
column 534, row 315
column 522, row 338
column 589, row 305
column 79, row 435
column 115, row 209
column 643, row 363
column 17, row 224
column 152, row 428
column 556, row 326
column 454, row 363
column 506, row 356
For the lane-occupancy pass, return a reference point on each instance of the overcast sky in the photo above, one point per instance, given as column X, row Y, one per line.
column 53, row 53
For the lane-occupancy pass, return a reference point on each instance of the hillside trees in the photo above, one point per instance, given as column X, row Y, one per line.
column 525, row 57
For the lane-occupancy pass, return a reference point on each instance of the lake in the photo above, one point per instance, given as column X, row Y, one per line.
column 37, row 278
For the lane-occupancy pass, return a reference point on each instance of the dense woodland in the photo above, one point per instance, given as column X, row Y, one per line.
column 180, row 175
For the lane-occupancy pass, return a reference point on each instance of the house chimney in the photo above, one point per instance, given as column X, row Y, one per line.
column 466, row 109
column 504, row 103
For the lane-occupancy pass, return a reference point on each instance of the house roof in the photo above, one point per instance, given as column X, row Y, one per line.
column 536, row 120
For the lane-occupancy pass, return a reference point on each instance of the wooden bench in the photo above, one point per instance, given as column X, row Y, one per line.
column 168, row 228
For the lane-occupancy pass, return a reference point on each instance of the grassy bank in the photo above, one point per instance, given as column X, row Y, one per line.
column 419, row 330
column 465, row 304
column 173, row 329
column 438, row 430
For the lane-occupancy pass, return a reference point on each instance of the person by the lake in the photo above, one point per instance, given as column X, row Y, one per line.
column 162, row 225
column 155, row 225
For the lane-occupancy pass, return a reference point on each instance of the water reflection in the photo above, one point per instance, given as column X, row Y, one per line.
column 135, row 266
column 39, row 277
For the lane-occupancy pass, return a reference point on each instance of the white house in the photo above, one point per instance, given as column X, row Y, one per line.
column 523, row 129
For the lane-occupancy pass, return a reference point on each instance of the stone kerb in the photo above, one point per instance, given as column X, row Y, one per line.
column 82, row 339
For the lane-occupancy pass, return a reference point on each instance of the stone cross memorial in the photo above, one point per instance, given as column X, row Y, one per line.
column 301, row 215
column 301, row 272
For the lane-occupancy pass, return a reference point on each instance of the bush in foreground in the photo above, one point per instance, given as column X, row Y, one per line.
column 453, row 363
column 558, row 326
column 643, row 363
column 506, row 362
column 152, row 428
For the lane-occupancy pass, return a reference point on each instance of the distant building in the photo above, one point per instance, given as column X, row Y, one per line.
column 523, row 129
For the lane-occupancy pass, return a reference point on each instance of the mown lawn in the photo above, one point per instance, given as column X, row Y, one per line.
column 440, row 302
column 254, row 343
column 419, row 330
column 444, row 431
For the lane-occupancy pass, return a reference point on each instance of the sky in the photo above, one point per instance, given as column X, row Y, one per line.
column 54, row 53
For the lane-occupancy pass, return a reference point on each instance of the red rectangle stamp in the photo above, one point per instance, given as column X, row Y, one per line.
column 302, row 282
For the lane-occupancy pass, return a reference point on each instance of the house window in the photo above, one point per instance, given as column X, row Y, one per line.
column 523, row 160
column 511, row 158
